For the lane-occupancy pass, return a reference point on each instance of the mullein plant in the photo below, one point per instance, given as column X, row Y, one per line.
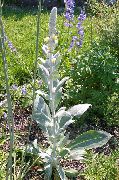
column 54, row 120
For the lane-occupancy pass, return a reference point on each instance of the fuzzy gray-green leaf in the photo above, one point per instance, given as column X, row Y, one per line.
column 44, row 73
column 61, row 83
column 48, row 171
column 90, row 139
column 61, row 173
column 43, row 94
column 41, row 112
column 79, row 109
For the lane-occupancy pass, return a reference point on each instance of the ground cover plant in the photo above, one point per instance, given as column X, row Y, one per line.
column 47, row 102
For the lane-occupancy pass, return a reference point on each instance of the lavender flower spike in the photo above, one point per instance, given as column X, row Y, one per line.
column 81, row 18
column 69, row 14
column 14, row 87
column 10, row 45
column 23, row 90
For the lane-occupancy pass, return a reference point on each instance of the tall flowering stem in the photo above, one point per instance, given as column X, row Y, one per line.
column 10, row 113
column 78, row 40
column 69, row 15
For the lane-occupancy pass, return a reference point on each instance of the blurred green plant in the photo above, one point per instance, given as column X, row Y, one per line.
column 112, row 110
column 3, row 160
column 109, row 30
column 93, row 80
column 101, row 167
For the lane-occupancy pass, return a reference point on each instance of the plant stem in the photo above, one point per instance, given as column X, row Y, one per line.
column 10, row 113
column 36, row 61
column 52, row 103
column 35, row 70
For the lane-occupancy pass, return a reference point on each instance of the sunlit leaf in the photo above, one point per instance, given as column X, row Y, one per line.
column 79, row 109
column 61, row 173
column 88, row 140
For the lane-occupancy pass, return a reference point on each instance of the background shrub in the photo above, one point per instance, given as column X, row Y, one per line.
column 93, row 80
column 101, row 167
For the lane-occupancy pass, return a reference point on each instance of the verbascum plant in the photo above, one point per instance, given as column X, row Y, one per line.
column 54, row 121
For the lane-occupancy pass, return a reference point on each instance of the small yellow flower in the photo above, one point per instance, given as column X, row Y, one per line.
column 54, row 37
column 53, row 60
column 46, row 39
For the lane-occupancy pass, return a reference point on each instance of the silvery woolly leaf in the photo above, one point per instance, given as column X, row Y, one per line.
column 58, row 96
column 88, row 140
column 45, row 49
column 61, row 83
column 60, row 113
column 64, row 140
column 64, row 119
column 79, row 109
column 48, row 171
column 56, row 65
column 41, row 112
column 61, row 172
column 66, row 125
column 77, row 154
column 42, row 94
column 54, row 75
column 40, row 106
column 44, row 73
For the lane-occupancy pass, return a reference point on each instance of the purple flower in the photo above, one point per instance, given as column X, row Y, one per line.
column 79, row 24
column 14, row 87
column 5, row 115
column 68, row 24
column 69, row 14
column 10, row 45
column 74, row 38
column 23, row 90
column 81, row 32
column 82, row 16
column 79, row 43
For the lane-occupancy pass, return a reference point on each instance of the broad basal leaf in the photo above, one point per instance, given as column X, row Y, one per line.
column 79, row 109
column 88, row 140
